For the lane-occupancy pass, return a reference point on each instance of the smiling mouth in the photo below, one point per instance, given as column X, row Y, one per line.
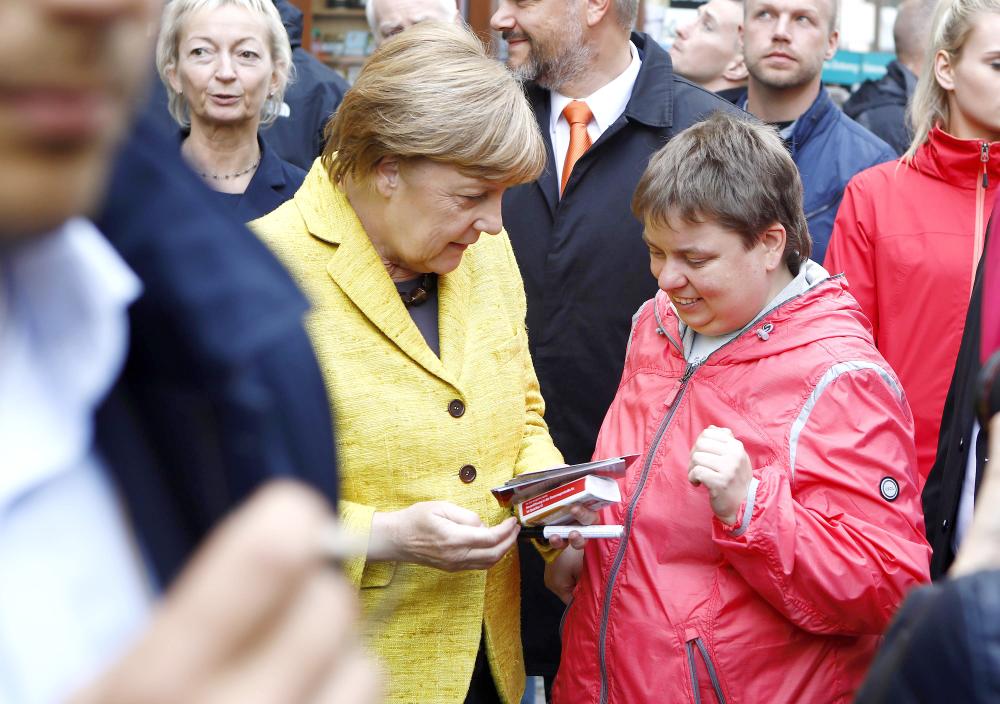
column 684, row 302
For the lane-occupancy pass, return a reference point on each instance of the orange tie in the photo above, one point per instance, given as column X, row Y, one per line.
column 578, row 116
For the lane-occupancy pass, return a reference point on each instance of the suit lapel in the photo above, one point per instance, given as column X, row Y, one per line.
column 547, row 182
column 356, row 268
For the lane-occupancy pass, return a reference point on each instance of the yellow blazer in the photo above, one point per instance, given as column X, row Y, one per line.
column 398, row 440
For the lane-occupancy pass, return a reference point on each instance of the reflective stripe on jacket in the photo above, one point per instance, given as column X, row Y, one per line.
column 786, row 606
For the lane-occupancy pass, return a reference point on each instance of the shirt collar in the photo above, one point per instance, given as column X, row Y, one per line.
column 63, row 342
column 606, row 103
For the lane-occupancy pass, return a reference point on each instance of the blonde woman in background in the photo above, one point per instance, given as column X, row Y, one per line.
column 418, row 323
column 225, row 65
column 909, row 234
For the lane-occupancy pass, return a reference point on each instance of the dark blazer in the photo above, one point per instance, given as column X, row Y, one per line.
column 221, row 390
column 880, row 105
column 274, row 182
column 943, row 489
column 942, row 647
column 312, row 98
column 586, row 271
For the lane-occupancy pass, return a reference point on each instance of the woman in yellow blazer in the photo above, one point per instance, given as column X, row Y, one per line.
column 400, row 216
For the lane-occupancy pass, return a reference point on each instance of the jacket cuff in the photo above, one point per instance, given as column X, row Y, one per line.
column 745, row 511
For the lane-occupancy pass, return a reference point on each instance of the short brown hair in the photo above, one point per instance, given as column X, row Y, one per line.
column 434, row 93
column 732, row 170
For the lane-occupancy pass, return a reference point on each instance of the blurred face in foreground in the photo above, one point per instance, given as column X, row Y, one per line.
column 72, row 70
column 715, row 283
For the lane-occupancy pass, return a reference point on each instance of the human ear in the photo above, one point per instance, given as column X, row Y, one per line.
column 944, row 70
column 736, row 70
column 385, row 176
column 596, row 11
column 773, row 242
column 831, row 44
column 171, row 73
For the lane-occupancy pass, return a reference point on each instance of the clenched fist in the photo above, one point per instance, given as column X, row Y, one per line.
column 720, row 464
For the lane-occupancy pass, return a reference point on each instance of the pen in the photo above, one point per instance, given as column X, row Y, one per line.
column 546, row 532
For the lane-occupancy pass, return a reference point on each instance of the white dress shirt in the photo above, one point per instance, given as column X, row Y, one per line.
column 73, row 587
column 607, row 103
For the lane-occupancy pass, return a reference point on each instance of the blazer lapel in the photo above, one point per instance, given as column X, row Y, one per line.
column 454, row 293
column 356, row 268
column 547, row 182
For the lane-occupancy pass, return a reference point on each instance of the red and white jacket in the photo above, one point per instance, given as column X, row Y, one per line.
column 788, row 605
column 909, row 239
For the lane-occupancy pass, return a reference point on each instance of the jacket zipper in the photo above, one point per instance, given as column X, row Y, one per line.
column 623, row 543
column 984, row 183
column 712, row 674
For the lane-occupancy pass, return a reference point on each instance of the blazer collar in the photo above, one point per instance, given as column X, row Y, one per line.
column 356, row 268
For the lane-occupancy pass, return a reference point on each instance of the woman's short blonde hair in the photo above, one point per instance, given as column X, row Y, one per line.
column 950, row 29
column 433, row 92
column 167, row 47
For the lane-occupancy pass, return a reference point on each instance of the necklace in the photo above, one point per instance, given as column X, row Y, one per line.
column 421, row 293
column 237, row 174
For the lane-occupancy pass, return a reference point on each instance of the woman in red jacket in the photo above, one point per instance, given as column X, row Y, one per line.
column 909, row 234
column 773, row 524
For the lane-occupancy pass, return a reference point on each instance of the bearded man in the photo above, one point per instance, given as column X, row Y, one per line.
column 580, row 249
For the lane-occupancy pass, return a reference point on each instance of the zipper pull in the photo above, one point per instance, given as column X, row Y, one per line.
column 984, row 156
column 765, row 331
column 671, row 396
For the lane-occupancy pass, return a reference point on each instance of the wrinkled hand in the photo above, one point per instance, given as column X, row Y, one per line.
column 584, row 517
column 720, row 464
column 562, row 574
column 257, row 616
column 442, row 535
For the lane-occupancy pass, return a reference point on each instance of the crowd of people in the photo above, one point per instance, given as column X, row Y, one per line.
column 267, row 342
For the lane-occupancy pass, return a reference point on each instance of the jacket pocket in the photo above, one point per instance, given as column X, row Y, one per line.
column 696, row 649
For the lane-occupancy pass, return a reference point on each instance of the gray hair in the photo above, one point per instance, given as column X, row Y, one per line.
column 733, row 170
column 448, row 6
column 626, row 12
column 167, row 48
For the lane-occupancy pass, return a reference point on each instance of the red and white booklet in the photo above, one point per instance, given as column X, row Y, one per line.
column 524, row 486
column 552, row 508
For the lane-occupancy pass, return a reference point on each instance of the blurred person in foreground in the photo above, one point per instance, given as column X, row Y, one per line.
column 387, row 18
column 82, row 542
column 709, row 51
column 774, row 523
column 418, row 323
column 880, row 105
column 226, row 64
column 909, row 234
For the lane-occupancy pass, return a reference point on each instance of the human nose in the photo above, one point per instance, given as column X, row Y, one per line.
column 684, row 30
column 670, row 278
column 224, row 67
column 781, row 28
column 502, row 20
column 490, row 220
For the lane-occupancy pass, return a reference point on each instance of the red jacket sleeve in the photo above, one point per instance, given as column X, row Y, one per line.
column 852, row 249
column 835, row 539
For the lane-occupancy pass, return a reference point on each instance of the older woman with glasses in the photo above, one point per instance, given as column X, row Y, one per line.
column 418, row 322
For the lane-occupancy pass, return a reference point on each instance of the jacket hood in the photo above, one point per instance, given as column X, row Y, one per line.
column 958, row 162
column 291, row 17
column 825, row 310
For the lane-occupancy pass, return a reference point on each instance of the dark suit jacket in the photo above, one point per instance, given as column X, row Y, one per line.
column 221, row 390
column 274, row 182
column 586, row 272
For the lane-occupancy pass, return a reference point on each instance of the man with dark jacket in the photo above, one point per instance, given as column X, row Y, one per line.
column 312, row 97
column 880, row 105
column 784, row 45
column 578, row 245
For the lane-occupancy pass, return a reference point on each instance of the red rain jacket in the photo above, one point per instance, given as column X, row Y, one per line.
column 909, row 240
column 788, row 605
